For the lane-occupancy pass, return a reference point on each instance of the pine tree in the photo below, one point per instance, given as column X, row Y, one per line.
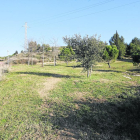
column 119, row 42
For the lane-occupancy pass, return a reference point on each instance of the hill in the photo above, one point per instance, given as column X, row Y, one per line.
column 61, row 103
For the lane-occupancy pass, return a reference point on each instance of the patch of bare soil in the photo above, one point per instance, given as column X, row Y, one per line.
column 48, row 85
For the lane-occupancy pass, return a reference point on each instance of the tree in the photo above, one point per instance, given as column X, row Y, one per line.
column 134, row 45
column 38, row 47
column 114, row 39
column 136, row 57
column 87, row 49
column 54, row 49
column 110, row 53
column 67, row 54
column 119, row 42
column 135, row 50
column 32, row 47
column 16, row 52
column 44, row 48
column 122, row 49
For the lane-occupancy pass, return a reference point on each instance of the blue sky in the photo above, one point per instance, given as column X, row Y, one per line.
column 49, row 19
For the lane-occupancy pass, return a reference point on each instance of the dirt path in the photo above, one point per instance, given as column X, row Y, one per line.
column 48, row 85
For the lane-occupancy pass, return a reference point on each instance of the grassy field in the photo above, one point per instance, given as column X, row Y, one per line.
column 105, row 106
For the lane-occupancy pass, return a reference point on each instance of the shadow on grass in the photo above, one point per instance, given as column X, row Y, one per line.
column 97, row 119
column 135, row 70
column 75, row 66
column 125, row 60
column 48, row 74
column 107, row 70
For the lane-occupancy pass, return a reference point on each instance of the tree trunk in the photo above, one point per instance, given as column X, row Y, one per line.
column 43, row 58
column 43, row 61
column 91, row 69
column 87, row 73
column 32, row 59
column 28, row 59
column 54, row 60
column 109, row 64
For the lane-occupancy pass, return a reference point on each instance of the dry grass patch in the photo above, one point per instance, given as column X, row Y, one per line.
column 132, row 83
column 23, row 75
column 105, row 81
column 48, row 85
column 79, row 95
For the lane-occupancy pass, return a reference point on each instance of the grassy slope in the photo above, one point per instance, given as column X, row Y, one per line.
column 105, row 106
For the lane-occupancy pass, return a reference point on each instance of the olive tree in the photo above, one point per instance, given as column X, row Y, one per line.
column 88, row 50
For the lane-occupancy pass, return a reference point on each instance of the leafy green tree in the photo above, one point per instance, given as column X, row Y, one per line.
column 88, row 50
column 66, row 54
column 110, row 53
column 134, row 45
column 46, row 47
column 122, row 49
column 114, row 39
column 136, row 57
column 119, row 42
column 135, row 50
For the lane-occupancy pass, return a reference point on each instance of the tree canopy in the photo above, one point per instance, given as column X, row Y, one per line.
column 119, row 42
column 66, row 54
column 32, row 46
column 134, row 47
column 110, row 53
column 87, row 49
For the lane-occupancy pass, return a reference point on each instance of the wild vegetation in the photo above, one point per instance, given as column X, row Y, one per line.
column 104, row 106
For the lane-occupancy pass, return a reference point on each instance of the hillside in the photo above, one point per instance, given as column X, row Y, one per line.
column 62, row 103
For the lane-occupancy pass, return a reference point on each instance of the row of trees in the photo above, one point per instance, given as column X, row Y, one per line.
column 132, row 49
column 89, row 50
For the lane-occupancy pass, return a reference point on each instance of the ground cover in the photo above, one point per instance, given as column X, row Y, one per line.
column 104, row 106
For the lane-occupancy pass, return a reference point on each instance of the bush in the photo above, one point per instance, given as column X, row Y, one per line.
column 24, row 61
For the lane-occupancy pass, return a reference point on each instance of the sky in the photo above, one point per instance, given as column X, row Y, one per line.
column 55, row 19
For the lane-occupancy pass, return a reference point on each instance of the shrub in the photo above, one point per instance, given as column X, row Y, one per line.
column 24, row 61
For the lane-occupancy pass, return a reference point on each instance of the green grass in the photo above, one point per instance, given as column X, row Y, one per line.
column 104, row 106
